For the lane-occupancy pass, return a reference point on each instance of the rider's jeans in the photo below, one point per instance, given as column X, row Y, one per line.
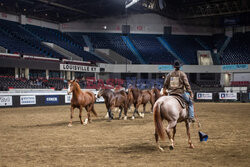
column 186, row 96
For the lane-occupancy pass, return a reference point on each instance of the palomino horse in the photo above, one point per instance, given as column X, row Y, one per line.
column 141, row 97
column 79, row 100
column 114, row 99
column 168, row 108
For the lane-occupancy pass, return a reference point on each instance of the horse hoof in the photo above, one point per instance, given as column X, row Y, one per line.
column 171, row 147
column 85, row 124
column 106, row 116
column 133, row 118
column 142, row 115
column 125, row 118
column 191, row 146
column 69, row 125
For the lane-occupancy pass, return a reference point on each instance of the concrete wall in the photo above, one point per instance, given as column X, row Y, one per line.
column 140, row 23
column 123, row 68
column 25, row 20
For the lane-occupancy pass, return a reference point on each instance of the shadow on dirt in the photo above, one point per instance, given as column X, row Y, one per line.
column 47, row 125
column 138, row 148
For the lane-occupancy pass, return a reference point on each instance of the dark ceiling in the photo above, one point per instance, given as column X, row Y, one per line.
column 61, row 11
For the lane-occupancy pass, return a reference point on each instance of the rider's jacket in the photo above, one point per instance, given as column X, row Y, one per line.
column 176, row 82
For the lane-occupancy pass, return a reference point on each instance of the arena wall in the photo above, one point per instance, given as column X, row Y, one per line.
column 26, row 20
column 140, row 23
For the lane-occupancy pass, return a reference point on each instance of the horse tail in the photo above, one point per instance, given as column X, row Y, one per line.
column 159, row 129
column 94, row 100
column 93, row 110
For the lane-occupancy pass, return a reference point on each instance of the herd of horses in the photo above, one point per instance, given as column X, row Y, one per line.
column 164, row 107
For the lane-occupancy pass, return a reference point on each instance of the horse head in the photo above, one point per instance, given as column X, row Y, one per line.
column 100, row 92
column 71, row 86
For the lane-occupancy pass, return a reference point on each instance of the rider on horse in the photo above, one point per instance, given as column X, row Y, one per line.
column 176, row 82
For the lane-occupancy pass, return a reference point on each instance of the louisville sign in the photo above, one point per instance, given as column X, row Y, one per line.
column 78, row 68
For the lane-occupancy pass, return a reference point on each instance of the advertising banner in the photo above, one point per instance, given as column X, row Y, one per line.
column 5, row 100
column 79, row 68
column 68, row 98
column 26, row 100
column 52, row 99
column 228, row 96
column 234, row 67
column 204, row 96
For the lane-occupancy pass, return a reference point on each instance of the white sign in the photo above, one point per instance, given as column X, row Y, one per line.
column 204, row 96
column 5, row 100
column 80, row 68
column 26, row 100
column 100, row 99
column 68, row 98
column 228, row 96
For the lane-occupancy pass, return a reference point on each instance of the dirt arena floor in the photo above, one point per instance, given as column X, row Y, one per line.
column 39, row 136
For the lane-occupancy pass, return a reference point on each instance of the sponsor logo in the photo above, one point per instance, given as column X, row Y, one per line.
column 204, row 96
column 68, row 98
column 51, row 99
column 26, row 100
column 5, row 100
column 228, row 96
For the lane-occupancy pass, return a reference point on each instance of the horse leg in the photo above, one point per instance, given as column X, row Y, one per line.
column 71, row 116
column 120, row 114
column 88, row 115
column 133, row 117
column 170, row 126
column 107, row 114
column 174, row 132
column 152, row 104
column 188, row 134
column 110, row 114
column 125, row 113
column 80, row 114
column 157, row 141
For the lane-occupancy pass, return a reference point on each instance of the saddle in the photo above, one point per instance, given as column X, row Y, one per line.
column 180, row 99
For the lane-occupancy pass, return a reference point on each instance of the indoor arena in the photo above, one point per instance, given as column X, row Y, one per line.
column 124, row 83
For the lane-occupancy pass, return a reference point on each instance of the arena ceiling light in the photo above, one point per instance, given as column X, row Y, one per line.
column 129, row 3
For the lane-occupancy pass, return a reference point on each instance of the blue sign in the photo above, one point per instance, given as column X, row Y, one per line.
column 235, row 67
column 52, row 99
column 165, row 67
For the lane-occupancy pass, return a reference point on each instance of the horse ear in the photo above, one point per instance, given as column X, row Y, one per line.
column 76, row 80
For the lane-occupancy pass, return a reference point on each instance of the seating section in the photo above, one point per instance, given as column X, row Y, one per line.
column 17, row 40
column 38, row 83
column 240, row 83
column 26, row 39
column 113, row 42
column 151, row 49
column 62, row 40
column 185, row 46
column 238, row 50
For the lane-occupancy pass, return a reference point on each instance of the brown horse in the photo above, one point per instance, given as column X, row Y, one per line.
column 168, row 108
column 156, row 92
column 79, row 100
column 141, row 97
column 114, row 99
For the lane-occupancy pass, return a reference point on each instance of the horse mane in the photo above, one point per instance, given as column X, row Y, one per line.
column 77, row 86
column 123, row 92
